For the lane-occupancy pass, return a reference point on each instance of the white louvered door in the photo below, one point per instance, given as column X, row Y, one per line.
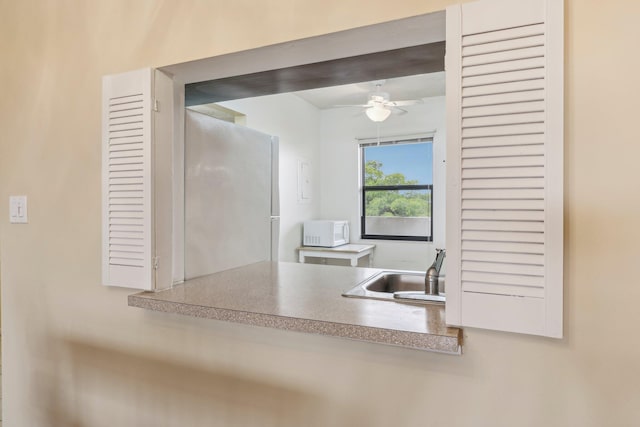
column 137, row 156
column 505, row 170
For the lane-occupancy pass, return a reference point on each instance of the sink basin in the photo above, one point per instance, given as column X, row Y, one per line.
column 390, row 282
column 396, row 285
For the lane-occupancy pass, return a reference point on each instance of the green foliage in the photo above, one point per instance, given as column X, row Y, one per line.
column 373, row 175
column 403, row 203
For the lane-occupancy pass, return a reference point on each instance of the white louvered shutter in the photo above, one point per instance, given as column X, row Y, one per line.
column 505, row 165
column 128, row 180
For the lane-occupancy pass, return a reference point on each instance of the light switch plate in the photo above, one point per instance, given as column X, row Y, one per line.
column 18, row 210
column 304, row 182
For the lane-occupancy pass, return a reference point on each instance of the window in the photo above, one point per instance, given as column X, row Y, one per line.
column 397, row 190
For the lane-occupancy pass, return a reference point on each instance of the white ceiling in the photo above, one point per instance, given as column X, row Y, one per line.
column 401, row 88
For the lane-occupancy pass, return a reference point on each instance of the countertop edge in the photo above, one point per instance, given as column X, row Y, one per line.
column 407, row 339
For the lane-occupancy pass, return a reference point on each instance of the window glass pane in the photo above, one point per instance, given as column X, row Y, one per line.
column 398, row 212
column 397, row 190
column 398, row 164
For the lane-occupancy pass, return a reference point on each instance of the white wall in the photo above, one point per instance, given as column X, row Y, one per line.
column 341, row 127
column 297, row 125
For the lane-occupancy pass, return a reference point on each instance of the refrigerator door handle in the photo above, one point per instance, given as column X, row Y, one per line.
column 275, row 238
column 275, row 176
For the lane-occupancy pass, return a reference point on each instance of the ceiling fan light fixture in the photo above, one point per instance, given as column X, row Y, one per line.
column 378, row 113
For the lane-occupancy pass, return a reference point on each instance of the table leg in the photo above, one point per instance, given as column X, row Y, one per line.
column 354, row 261
column 301, row 257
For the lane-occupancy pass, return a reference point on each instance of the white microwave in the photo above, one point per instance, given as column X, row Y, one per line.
column 325, row 233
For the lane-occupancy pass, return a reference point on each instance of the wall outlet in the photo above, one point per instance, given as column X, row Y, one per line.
column 18, row 210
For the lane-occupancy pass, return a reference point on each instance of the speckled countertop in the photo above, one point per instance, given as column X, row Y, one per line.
column 306, row 298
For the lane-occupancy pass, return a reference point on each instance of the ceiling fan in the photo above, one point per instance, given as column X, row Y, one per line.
column 379, row 107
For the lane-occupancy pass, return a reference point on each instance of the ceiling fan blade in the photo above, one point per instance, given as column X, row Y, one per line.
column 405, row 102
column 351, row 106
column 398, row 111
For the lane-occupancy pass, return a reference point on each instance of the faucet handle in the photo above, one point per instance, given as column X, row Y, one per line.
column 437, row 263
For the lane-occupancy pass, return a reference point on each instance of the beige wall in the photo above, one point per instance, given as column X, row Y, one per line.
column 75, row 354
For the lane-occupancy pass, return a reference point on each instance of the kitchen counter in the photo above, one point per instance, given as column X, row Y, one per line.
column 306, row 298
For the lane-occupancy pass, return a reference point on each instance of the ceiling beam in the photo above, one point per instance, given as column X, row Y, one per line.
column 408, row 61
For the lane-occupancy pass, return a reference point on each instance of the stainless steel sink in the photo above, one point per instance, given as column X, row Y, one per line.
column 396, row 285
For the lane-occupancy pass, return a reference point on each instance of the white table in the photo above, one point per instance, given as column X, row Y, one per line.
column 350, row 252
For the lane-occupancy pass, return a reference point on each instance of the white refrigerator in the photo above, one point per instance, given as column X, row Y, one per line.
column 232, row 212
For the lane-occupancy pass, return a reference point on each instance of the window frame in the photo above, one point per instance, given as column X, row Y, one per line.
column 362, row 145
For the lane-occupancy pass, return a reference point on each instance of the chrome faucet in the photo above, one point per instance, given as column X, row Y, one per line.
column 433, row 273
column 431, row 290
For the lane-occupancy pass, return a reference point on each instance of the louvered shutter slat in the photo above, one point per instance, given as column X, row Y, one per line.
column 503, row 119
column 500, row 141
column 496, row 55
column 503, row 247
column 503, row 236
column 511, row 129
column 502, row 289
column 503, row 183
column 490, row 110
column 504, row 172
column 502, row 194
column 527, row 45
column 507, row 215
column 128, row 221
column 504, row 151
column 495, row 83
column 123, row 140
column 502, row 279
column 508, row 35
column 514, row 258
column 504, row 268
column 505, row 66
column 502, row 94
column 488, row 205
column 504, row 142
column 502, row 162
column 501, row 225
